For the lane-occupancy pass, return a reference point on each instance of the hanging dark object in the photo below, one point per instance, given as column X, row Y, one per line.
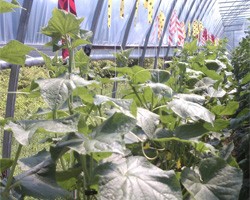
column 68, row 6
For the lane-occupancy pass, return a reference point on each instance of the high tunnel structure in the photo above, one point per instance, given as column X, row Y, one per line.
column 144, row 25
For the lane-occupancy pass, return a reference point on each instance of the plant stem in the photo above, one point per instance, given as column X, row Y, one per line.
column 10, row 177
column 85, row 170
column 138, row 97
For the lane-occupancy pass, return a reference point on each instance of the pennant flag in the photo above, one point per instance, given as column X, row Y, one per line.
column 201, row 27
column 109, row 12
column 67, row 5
column 172, row 27
column 181, row 34
column 150, row 10
column 189, row 29
column 213, row 38
column 161, row 21
column 204, row 37
column 122, row 9
column 209, row 38
column 146, row 4
column 195, row 28
column 155, row 29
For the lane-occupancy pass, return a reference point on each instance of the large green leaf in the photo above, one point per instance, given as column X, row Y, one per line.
column 228, row 109
column 215, row 65
column 39, row 182
column 8, row 7
column 191, row 97
column 122, row 57
column 81, row 82
column 146, row 126
column 211, row 92
column 159, row 89
column 210, row 73
column 159, row 76
column 140, row 75
column 137, row 179
column 187, row 109
column 81, row 61
column 216, row 180
column 218, row 125
column 148, row 121
column 55, row 91
column 24, row 130
column 15, row 52
column 124, row 105
column 62, row 23
column 5, row 163
column 108, row 137
column 246, row 79
column 190, row 131
column 29, row 162
column 79, row 42
column 115, row 126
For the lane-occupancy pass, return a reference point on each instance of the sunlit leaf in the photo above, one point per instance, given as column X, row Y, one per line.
column 228, row 109
column 55, row 91
column 159, row 89
column 148, row 121
column 81, row 61
column 218, row 125
column 187, row 109
column 124, row 105
column 108, row 137
column 81, row 82
column 140, row 75
column 61, row 24
column 24, row 130
column 15, row 52
column 137, row 179
column 191, row 97
column 8, row 7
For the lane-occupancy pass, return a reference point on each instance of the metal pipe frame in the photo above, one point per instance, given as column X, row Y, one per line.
column 129, row 24
column 164, row 31
column 96, row 18
column 141, row 60
column 13, row 81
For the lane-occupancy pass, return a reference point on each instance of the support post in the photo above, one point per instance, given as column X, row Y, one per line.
column 13, row 81
column 96, row 17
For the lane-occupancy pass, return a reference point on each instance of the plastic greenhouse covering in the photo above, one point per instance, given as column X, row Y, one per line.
column 108, row 37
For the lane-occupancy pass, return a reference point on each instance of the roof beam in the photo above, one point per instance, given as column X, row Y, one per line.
column 225, row 2
column 96, row 18
column 127, row 30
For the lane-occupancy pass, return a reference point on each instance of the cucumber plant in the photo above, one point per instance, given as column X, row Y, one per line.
column 163, row 139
